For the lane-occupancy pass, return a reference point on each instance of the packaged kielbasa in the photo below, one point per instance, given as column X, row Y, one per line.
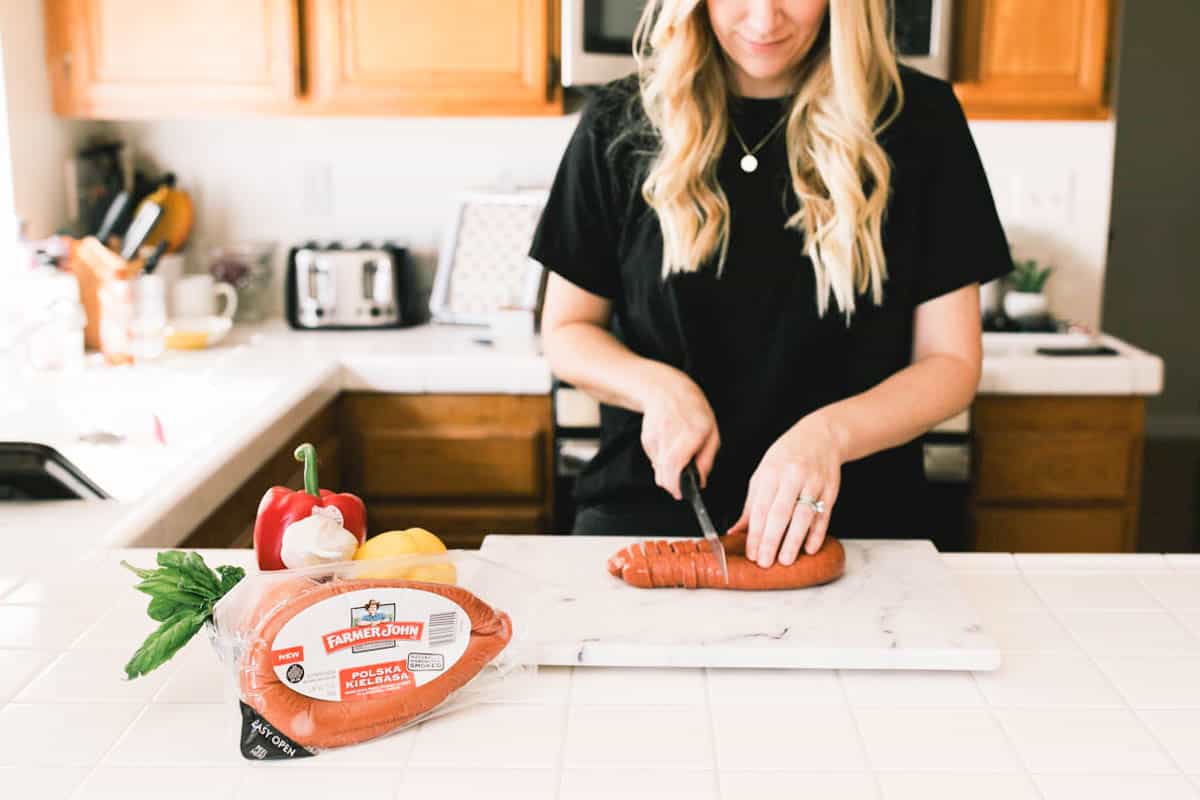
column 340, row 654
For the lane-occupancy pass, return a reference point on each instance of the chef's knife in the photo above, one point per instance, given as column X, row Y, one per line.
column 152, row 259
column 108, row 226
column 143, row 222
column 690, row 483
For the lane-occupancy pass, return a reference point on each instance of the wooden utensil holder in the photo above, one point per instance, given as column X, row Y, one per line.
column 94, row 265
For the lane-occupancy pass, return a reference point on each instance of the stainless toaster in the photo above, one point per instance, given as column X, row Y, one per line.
column 329, row 287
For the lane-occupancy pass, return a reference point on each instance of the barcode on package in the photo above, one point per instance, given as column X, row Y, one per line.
column 442, row 627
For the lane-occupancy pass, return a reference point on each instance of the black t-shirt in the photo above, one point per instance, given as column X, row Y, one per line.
column 752, row 338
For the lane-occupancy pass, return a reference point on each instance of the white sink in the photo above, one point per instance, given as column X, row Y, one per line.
column 126, row 428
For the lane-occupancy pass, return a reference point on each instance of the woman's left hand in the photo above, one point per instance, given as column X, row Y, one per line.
column 804, row 462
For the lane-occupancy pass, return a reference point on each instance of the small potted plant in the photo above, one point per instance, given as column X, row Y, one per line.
column 1024, row 300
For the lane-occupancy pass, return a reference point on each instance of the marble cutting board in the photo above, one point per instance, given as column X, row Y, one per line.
column 896, row 607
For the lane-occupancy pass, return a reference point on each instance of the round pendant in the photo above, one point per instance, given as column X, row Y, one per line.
column 749, row 163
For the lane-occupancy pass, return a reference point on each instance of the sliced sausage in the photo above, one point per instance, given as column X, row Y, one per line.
column 691, row 564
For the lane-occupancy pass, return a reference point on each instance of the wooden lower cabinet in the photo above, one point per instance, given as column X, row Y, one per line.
column 461, row 466
column 1049, row 473
column 1056, row 474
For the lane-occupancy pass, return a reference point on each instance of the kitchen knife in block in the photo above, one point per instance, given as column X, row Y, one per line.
column 143, row 223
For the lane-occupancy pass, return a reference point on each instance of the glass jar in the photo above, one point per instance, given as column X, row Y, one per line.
column 247, row 267
column 133, row 318
column 54, row 332
column 56, row 342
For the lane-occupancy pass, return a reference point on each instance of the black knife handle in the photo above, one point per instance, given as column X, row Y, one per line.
column 690, row 473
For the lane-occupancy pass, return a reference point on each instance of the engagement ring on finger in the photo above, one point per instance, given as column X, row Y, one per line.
column 817, row 506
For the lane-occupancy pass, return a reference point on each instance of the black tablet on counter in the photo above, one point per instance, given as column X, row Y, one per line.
column 33, row 471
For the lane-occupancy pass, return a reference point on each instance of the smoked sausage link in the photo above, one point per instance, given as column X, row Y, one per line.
column 327, row 723
column 691, row 564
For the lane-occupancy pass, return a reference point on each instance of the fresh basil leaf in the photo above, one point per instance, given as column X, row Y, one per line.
column 230, row 575
column 162, row 608
column 195, row 569
column 172, row 586
column 172, row 559
column 165, row 642
column 183, row 599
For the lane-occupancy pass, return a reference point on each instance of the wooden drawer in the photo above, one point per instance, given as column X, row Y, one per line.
column 447, row 446
column 373, row 411
column 1051, row 530
column 459, row 526
column 1057, row 414
column 1027, row 465
column 465, row 462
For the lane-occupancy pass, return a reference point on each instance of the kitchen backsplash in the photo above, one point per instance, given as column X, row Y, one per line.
column 293, row 179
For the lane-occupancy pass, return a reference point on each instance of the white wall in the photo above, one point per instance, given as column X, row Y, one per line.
column 296, row 178
column 1053, row 187
column 39, row 142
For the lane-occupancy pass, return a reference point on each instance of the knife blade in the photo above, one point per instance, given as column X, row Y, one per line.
column 690, row 483
column 143, row 222
column 108, row 225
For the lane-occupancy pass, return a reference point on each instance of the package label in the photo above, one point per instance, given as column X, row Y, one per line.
column 370, row 642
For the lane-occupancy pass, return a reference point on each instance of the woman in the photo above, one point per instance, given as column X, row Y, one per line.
column 765, row 250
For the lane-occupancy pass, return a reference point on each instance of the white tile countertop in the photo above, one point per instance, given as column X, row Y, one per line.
column 221, row 410
column 1098, row 697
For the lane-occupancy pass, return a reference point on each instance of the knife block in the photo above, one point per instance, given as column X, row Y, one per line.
column 94, row 265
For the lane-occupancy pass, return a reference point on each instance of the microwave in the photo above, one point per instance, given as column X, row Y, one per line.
column 597, row 38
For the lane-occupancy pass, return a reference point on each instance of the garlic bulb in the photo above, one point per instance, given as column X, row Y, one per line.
column 317, row 539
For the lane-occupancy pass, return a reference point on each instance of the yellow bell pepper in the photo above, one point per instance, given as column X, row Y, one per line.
column 411, row 541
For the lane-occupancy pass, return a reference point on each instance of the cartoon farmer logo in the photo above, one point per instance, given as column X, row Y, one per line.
column 372, row 613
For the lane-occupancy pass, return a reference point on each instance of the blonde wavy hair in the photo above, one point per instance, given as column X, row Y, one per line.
column 839, row 172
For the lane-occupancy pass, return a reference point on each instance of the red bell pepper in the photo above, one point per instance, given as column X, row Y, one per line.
column 282, row 506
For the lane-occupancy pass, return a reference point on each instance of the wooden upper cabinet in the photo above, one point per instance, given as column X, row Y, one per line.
column 1033, row 59
column 131, row 58
column 418, row 57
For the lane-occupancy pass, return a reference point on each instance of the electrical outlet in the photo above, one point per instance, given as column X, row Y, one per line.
column 1043, row 199
column 317, row 189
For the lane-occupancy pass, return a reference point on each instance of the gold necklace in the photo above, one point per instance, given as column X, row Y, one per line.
column 749, row 163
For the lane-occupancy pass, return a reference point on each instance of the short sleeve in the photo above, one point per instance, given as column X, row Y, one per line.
column 578, row 230
column 963, row 240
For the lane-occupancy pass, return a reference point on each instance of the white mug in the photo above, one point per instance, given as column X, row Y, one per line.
column 196, row 296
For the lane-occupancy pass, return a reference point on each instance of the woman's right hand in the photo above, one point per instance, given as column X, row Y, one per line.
column 677, row 425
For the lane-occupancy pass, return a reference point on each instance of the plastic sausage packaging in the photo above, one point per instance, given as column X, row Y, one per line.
column 344, row 653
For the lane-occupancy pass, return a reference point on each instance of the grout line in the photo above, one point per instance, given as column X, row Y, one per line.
column 1194, row 780
column 1012, row 746
column 560, row 761
column 712, row 733
column 100, row 762
column 987, row 703
column 862, row 740
column 1171, row 611
column 1108, row 679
